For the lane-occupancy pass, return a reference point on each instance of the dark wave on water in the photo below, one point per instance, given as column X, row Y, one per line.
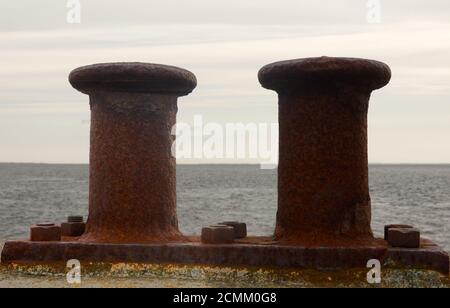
column 412, row 194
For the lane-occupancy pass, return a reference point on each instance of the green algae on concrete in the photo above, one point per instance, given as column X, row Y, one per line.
column 183, row 276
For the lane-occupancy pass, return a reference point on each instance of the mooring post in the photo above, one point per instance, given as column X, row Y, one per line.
column 132, row 189
column 323, row 191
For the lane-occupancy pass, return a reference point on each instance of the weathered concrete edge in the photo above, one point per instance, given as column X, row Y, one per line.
column 430, row 257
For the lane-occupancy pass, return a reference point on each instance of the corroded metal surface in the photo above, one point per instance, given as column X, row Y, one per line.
column 133, row 77
column 323, row 220
column 217, row 234
column 404, row 237
column 132, row 184
column 429, row 256
column 323, row 192
column 73, row 228
column 387, row 227
column 45, row 232
column 240, row 228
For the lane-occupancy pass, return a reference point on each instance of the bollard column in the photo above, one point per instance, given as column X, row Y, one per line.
column 132, row 183
column 323, row 191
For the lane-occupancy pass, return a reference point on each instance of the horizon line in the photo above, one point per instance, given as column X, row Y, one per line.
column 218, row 164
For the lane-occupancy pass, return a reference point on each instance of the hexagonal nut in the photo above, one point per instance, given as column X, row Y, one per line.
column 73, row 229
column 240, row 228
column 75, row 219
column 404, row 237
column 387, row 227
column 45, row 233
column 218, row 235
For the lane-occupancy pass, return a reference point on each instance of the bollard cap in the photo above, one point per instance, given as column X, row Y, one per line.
column 323, row 71
column 133, row 77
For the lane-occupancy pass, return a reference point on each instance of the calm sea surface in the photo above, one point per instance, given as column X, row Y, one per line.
column 412, row 194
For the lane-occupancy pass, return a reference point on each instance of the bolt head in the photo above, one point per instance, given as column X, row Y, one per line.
column 75, row 219
column 387, row 227
column 73, row 229
column 404, row 237
column 45, row 224
column 240, row 229
column 48, row 233
column 217, row 234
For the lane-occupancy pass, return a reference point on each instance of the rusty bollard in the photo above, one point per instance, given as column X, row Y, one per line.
column 323, row 192
column 132, row 190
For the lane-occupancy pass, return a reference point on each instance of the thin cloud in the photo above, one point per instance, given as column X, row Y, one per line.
column 224, row 44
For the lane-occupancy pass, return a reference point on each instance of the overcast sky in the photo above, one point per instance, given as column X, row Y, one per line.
column 225, row 43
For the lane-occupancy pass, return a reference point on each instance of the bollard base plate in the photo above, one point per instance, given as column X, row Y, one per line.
column 255, row 251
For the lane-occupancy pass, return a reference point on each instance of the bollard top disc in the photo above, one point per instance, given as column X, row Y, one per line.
column 133, row 77
column 322, row 71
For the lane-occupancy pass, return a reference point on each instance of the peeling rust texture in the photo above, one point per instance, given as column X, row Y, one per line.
column 132, row 189
column 323, row 192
